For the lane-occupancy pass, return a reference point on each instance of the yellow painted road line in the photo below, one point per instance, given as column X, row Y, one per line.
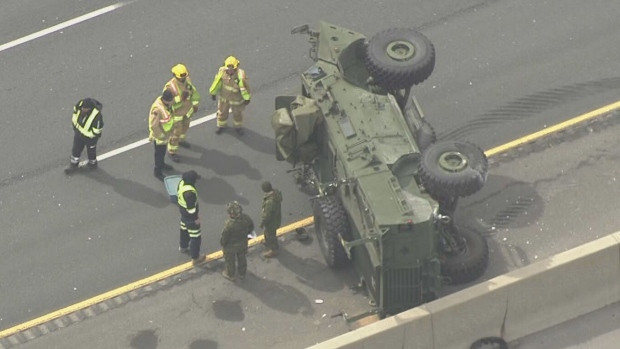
column 283, row 230
column 140, row 283
column 553, row 129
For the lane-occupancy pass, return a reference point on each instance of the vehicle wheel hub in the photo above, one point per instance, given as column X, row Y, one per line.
column 400, row 50
column 452, row 161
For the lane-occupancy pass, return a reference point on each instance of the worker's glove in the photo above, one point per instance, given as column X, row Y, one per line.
column 213, row 97
column 246, row 102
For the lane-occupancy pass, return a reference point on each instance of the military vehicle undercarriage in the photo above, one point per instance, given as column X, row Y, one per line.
column 383, row 188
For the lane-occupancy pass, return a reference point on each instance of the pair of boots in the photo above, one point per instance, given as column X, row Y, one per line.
column 75, row 166
column 270, row 253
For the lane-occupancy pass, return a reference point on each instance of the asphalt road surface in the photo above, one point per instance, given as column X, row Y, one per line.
column 504, row 69
column 541, row 199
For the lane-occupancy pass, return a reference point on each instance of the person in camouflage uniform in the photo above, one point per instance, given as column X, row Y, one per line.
column 234, row 241
column 271, row 218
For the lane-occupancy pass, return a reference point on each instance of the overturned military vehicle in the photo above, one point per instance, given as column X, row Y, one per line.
column 384, row 188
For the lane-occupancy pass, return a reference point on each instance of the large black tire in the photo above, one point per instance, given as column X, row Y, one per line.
column 469, row 263
column 453, row 169
column 399, row 58
column 330, row 222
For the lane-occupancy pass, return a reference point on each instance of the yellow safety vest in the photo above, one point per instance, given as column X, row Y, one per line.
column 86, row 129
column 238, row 89
column 181, row 200
column 165, row 120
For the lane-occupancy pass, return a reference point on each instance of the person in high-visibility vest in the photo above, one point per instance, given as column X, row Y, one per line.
column 87, row 123
column 186, row 100
column 160, row 129
column 231, row 84
column 187, row 196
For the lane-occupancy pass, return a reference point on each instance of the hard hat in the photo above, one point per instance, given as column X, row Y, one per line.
column 179, row 71
column 234, row 209
column 231, row 60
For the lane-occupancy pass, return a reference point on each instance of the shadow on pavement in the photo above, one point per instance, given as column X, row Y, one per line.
column 221, row 163
column 313, row 273
column 277, row 295
column 131, row 190
column 217, row 191
column 255, row 141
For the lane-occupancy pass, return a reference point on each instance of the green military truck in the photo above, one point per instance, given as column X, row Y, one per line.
column 384, row 189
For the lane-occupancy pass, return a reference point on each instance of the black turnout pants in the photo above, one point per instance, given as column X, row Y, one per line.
column 160, row 154
column 79, row 142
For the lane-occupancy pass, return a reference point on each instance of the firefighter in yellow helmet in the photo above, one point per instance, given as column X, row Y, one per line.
column 185, row 103
column 231, row 84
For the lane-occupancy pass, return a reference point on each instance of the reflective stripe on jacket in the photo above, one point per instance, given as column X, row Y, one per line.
column 192, row 210
column 183, row 107
column 88, row 125
column 232, row 89
column 160, row 121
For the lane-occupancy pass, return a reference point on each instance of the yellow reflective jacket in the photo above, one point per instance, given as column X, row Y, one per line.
column 160, row 122
column 231, row 88
column 183, row 106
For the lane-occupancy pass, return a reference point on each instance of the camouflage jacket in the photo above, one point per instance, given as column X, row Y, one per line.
column 235, row 234
column 271, row 216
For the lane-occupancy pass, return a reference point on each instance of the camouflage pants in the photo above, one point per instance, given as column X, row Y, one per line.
column 236, row 260
column 271, row 240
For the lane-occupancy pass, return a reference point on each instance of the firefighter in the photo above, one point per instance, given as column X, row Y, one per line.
column 231, row 84
column 160, row 129
column 186, row 100
column 87, row 126
column 189, row 239
column 234, row 241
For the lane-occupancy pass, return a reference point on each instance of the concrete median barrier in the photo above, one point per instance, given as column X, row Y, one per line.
column 511, row 306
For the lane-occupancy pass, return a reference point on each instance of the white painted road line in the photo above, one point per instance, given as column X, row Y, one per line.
column 144, row 141
column 63, row 25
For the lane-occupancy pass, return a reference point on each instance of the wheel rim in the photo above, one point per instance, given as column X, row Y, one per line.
column 400, row 50
column 452, row 161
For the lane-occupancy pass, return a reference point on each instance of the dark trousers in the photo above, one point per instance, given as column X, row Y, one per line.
column 189, row 236
column 79, row 142
column 271, row 239
column 160, row 154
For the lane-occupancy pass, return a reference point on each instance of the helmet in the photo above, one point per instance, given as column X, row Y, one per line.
column 179, row 71
column 266, row 186
column 234, row 209
column 231, row 60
